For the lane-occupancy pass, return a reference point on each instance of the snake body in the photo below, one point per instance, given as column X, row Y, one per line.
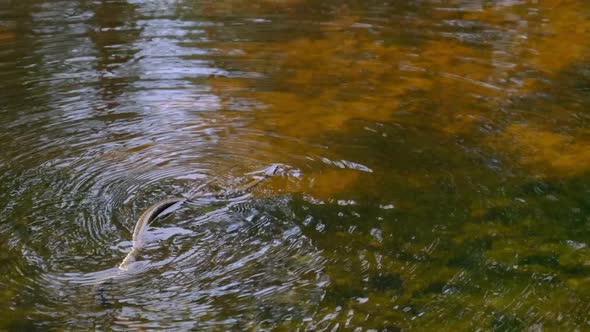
column 142, row 224
column 165, row 206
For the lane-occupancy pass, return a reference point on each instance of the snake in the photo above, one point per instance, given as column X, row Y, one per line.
column 168, row 205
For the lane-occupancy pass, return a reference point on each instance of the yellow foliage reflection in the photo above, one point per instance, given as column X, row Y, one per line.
column 455, row 81
column 547, row 151
column 6, row 36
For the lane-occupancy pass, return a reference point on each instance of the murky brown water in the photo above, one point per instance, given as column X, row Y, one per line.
column 438, row 157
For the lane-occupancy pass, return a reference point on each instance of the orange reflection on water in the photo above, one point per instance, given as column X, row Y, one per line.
column 547, row 152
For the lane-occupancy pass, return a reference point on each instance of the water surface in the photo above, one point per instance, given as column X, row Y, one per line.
column 437, row 154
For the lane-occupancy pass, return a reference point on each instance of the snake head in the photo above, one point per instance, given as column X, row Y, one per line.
column 276, row 169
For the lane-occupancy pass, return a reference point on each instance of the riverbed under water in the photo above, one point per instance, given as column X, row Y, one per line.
column 436, row 161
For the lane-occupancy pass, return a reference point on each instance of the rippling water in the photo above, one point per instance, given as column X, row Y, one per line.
column 438, row 157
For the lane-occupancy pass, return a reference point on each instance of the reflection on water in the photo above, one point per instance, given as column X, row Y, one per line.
column 439, row 155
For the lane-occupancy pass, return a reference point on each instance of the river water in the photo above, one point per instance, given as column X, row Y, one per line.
column 435, row 157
